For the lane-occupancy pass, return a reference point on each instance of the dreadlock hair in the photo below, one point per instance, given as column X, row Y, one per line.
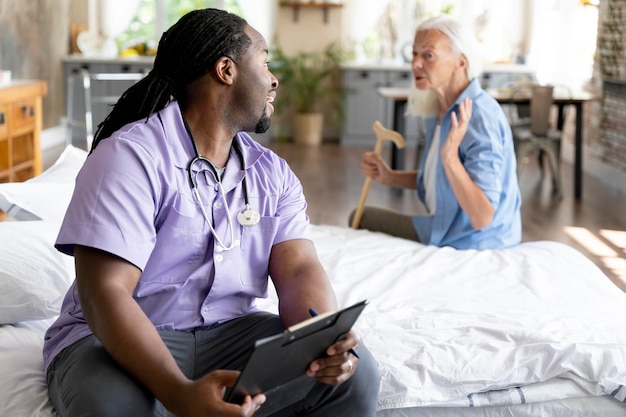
column 186, row 51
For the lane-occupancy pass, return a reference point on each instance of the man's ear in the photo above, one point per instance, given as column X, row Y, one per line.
column 225, row 70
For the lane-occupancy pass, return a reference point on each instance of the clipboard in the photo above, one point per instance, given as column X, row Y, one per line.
column 280, row 359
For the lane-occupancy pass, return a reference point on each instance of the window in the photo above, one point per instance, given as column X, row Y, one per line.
column 381, row 31
column 155, row 16
column 555, row 38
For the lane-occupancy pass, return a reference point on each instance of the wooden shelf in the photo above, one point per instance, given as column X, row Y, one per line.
column 298, row 5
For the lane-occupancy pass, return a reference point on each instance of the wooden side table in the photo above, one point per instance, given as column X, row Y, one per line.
column 20, row 129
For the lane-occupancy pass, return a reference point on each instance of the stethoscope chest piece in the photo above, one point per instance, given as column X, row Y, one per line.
column 248, row 217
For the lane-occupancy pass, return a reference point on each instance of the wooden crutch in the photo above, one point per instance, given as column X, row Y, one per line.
column 382, row 134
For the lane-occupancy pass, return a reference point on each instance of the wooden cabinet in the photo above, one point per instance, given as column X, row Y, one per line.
column 363, row 106
column 20, row 129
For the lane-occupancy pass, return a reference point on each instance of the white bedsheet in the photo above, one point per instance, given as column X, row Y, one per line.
column 23, row 389
column 446, row 325
column 521, row 329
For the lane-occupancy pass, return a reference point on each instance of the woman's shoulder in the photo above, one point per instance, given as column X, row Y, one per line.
column 479, row 95
column 484, row 105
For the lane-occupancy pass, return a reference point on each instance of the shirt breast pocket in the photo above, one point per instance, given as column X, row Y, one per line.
column 181, row 244
column 256, row 246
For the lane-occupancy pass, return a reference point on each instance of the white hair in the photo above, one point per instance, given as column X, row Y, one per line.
column 463, row 42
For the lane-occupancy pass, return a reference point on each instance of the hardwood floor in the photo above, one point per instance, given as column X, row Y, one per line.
column 595, row 225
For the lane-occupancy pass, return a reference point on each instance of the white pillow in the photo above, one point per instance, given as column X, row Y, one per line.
column 34, row 276
column 47, row 195
column 35, row 201
column 66, row 167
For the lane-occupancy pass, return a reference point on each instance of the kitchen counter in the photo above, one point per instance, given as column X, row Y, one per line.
column 376, row 66
column 402, row 66
column 82, row 116
column 94, row 59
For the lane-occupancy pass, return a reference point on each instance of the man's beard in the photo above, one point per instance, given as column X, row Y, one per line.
column 263, row 124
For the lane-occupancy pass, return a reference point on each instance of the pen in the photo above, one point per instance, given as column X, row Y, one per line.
column 314, row 313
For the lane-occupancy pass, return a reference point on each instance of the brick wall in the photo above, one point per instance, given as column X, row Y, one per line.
column 605, row 119
column 614, row 124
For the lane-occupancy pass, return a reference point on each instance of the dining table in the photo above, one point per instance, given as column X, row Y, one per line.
column 562, row 100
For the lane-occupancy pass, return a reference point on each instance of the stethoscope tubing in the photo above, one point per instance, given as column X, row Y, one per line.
column 247, row 217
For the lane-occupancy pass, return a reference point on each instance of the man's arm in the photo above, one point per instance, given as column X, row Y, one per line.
column 105, row 287
column 300, row 280
column 301, row 283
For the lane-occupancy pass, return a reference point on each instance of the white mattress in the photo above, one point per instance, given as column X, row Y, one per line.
column 538, row 327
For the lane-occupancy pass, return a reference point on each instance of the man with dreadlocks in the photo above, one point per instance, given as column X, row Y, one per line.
column 177, row 221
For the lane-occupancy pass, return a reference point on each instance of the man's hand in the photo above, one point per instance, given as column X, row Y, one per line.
column 339, row 365
column 205, row 397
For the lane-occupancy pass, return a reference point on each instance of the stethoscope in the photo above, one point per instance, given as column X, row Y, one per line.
column 247, row 217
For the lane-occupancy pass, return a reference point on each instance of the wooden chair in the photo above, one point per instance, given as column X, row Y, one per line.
column 518, row 114
column 539, row 134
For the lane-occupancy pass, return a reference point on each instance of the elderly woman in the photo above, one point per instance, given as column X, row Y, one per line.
column 466, row 178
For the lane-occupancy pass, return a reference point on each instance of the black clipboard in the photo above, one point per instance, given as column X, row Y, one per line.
column 280, row 359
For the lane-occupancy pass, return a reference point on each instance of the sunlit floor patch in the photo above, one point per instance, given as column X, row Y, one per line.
column 608, row 245
column 590, row 241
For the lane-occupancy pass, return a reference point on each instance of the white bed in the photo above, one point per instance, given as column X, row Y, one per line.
column 532, row 331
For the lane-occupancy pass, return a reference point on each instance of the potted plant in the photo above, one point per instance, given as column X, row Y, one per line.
column 308, row 80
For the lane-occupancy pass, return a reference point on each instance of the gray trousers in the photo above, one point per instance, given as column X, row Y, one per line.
column 387, row 221
column 83, row 380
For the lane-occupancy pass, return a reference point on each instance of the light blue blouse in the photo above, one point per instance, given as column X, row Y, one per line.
column 488, row 155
